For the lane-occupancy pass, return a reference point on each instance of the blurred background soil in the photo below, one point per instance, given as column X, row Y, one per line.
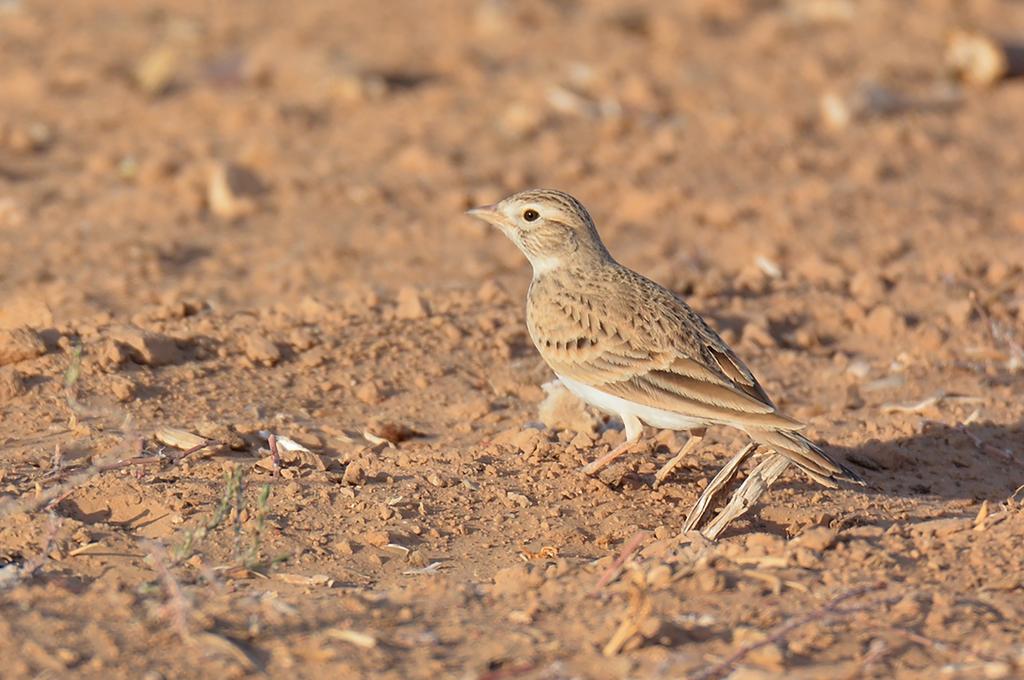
column 237, row 219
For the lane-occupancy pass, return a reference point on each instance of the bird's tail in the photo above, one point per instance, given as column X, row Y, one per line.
column 807, row 455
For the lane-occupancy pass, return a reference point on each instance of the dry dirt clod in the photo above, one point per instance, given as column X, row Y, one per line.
column 20, row 344
column 884, row 321
column 770, row 656
column 515, row 580
column 410, row 304
column 109, row 354
column 960, row 311
column 12, row 384
column 259, row 349
column 369, row 393
column 816, row 539
column 354, row 474
column 301, row 339
column 377, row 538
column 145, row 347
column 225, row 433
column 122, row 387
column 867, row 288
column 525, row 442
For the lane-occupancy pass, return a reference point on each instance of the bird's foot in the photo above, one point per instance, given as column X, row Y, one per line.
column 595, row 466
column 695, row 438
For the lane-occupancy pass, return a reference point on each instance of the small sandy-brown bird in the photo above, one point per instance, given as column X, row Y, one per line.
column 630, row 347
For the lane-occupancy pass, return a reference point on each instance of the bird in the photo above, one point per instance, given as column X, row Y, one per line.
column 632, row 348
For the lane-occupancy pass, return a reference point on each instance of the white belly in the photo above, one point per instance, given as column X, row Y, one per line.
column 655, row 417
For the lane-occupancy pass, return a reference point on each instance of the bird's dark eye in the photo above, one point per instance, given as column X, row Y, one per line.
column 530, row 215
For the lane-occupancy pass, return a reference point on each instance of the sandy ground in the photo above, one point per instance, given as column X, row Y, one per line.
column 240, row 218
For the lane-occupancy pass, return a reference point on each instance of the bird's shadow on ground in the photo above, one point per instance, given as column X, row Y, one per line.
column 981, row 461
column 941, row 464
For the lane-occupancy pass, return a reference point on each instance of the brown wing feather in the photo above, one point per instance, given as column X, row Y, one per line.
column 652, row 349
column 649, row 393
column 737, row 371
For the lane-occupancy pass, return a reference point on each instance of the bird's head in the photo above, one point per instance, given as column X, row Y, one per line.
column 551, row 227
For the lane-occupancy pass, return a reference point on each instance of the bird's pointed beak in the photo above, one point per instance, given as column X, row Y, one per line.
column 487, row 213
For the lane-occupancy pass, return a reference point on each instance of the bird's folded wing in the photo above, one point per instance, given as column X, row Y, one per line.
column 698, row 377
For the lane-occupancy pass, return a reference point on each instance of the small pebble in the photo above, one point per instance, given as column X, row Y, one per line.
column 259, row 349
column 410, row 304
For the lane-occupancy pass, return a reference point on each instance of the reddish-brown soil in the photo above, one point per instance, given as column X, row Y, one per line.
column 248, row 217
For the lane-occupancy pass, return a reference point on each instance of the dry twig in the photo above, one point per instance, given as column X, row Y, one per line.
column 935, row 399
column 628, row 549
column 876, row 652
column 640, row 607
column 58, row 492
column 983, row 445
column 56, row 462
column 756, row 483
column 178, row 606
column 717, row 484
column 275, row 454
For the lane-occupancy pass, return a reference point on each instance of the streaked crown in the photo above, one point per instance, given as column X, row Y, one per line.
column 551, row 227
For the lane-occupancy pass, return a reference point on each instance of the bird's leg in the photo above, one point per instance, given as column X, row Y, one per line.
column 720, row 481
column 633, row 429
column 594, row 466
column 695, row 438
